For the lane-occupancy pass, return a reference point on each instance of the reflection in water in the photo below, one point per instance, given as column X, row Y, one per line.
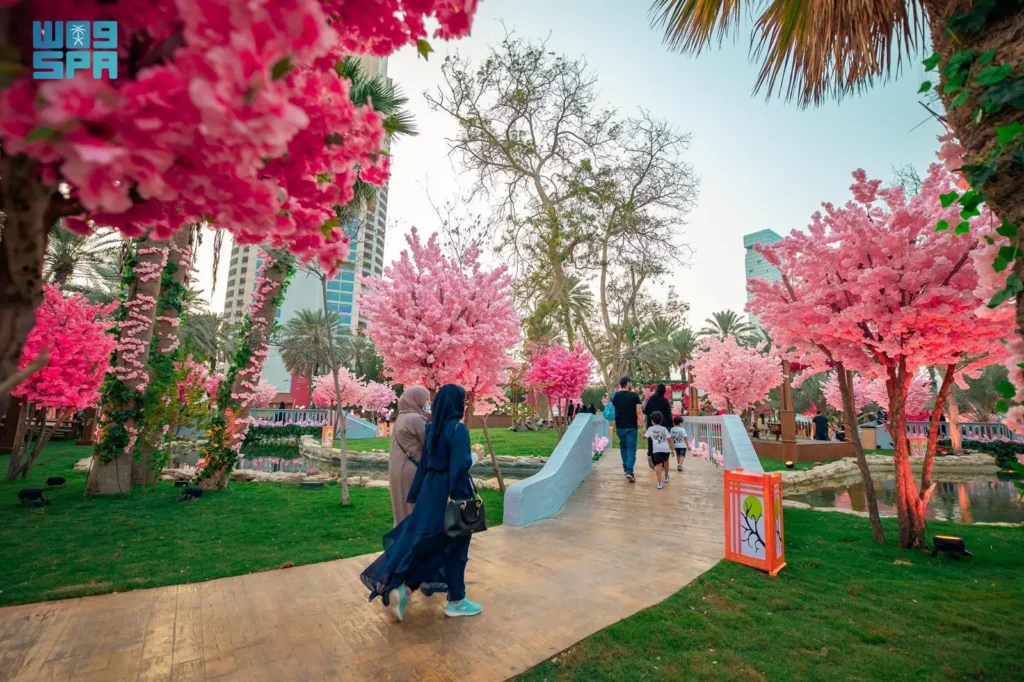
column 979, row 500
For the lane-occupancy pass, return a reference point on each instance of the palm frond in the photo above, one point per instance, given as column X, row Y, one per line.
column 812, row 50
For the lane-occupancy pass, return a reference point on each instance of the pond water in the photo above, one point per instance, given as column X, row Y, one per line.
column 979, row 499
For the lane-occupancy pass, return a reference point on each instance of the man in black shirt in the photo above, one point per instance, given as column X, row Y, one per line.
column 627, row 421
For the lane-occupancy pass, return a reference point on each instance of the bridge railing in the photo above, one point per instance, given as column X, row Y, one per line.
column 290, row 416
column 727, row 435
column 970, row 430
column 544, row 493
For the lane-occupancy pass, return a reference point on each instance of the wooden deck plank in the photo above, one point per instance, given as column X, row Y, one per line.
column 614, row 549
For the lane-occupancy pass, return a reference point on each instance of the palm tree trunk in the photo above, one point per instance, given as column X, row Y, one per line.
column 227, row 430
column 24, row 200
column 146, row 469
column 850, row 417
column 124, row 391
column 1004, row 33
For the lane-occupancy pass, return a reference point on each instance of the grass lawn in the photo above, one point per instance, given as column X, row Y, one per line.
column 511, row 443
column 843, row 609
column 80, row 546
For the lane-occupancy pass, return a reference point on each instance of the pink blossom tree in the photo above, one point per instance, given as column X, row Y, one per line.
column 352, row 388
column 874, row 288
column 377, row 397
column 561, row 374
column 229, row 111
column 874, row 391
column 262, row 396
column 70, row 335
column 736, row 377
column 437, row 320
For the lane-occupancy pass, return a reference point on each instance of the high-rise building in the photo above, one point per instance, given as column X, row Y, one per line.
column 755, row 265
column 366, row 258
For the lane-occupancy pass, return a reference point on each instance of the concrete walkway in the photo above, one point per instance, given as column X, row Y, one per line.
column 614, row 549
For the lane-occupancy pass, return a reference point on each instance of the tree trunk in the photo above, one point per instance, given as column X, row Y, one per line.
column 927, row 485
column 850, row 417
column 956, row 440
column 909, row 512
column 490, row 449
column 227, row 432
column 25, row 201
column 124, row 391
column 176, row 275
column 1004, row 33
column 340, row 420
column 25, row 430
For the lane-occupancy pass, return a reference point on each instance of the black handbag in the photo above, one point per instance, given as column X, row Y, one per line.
column 465, row 517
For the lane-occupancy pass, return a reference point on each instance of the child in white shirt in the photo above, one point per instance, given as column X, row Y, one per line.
column 661, row 441
column 679, row 439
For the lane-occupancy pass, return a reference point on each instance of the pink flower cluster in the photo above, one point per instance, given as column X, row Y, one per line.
column 352, row 390
column 437, row 320
column 874, row 391
column 708, row 454
column 599, row 444
column 734, row 376
column 76, row 334
column 560, row 373
column 262, row 396
column 223, row 110
column 270, row 422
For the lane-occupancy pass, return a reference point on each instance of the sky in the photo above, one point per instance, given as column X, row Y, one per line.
column 762, row 165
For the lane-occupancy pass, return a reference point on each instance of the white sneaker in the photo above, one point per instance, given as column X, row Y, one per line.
column 661, row 485
column 679, row 468
column 666, row 477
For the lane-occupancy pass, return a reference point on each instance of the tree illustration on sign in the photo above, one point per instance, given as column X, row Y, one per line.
column 778, row 525
column 752, row 511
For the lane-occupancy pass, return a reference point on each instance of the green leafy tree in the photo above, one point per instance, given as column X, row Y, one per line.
column 726, row 323
column 303, row 343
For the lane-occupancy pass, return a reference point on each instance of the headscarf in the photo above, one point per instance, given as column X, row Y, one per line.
column 414, row 400
column 449, row 406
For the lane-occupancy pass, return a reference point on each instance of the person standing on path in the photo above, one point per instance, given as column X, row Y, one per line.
column 657, row 403
column 627, row 421
column 406, row 448
column 418, row 553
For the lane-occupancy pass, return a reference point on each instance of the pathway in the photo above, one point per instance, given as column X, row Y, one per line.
column 613, row 550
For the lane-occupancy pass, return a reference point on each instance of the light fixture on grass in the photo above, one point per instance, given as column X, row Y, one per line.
column 949, row 544
column 790, row 464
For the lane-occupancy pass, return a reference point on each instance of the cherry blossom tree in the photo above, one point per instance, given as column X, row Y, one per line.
column 71, row 336
column 352, row 388
column 874, row 391
column 873, row 287
column 735, row 377
column 437, row 320
column 262, row 396
column 561, row 374
column 229, row 111
column 377, row 397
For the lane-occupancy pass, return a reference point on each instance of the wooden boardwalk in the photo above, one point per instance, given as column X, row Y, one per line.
column 613, row 550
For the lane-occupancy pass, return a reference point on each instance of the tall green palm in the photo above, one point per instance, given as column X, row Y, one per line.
column 980, row 398
column 652, row 350
column 684, row 343
column 577, row 304
column 387, row 99
column 207, row 336
column 86, row 258
column 726, row 323
column 304, row 344
column 360, row 356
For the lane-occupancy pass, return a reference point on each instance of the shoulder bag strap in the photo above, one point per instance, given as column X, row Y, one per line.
column 407, row 455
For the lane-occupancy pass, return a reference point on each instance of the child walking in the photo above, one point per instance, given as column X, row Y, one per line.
column 660, row 441
column 679, row 438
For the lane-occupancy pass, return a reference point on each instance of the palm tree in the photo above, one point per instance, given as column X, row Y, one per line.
column 388, row 100
column 88, row 258
column 651, row 349
column 361, row 358
column 304, row 344
column 207, row 336
column 981, row 395
column 726, row 323
column 577, row 304
column 815, row 51
column 684, row 343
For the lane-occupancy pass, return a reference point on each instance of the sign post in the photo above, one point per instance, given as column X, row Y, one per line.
column 753, row 520
column 327, row 435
